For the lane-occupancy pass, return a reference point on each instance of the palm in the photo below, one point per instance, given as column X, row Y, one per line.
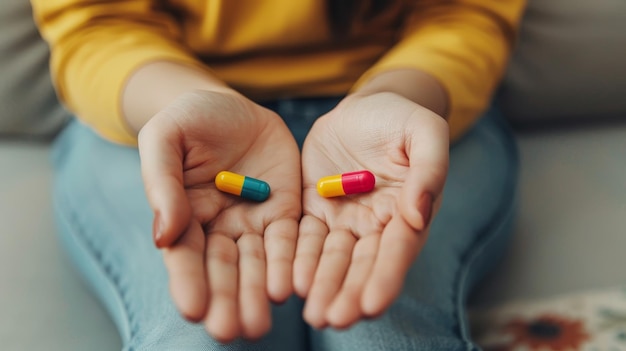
column 362, row 214
column 271, row 156
column 229, row 254
column 354, row 250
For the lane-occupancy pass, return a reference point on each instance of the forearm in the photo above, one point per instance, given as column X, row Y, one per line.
column 116, row 65
column 155, row 85
column 464, row 45
column 415, row 85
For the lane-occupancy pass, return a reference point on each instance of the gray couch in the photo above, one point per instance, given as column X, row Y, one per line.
column 564, row 92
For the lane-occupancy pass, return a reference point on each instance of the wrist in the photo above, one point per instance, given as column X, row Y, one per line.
column 157, row 84
column 415, row 85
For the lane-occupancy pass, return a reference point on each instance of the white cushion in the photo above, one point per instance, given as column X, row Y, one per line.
column 570, row 62
column 44, row 303
column 28, row 103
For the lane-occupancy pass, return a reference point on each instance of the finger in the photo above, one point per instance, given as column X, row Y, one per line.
column 222, row 320
column 428, row 161
column 329, row 276
column 185, row 265
column 280, row 247
column 311, row 236
column 254, row 306
column 399, row 245
column 345, row 310
column 162, row 171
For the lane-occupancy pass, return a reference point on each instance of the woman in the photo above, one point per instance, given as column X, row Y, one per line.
column 203, row 87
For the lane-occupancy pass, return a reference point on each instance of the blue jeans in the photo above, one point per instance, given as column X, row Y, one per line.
column 105, row 226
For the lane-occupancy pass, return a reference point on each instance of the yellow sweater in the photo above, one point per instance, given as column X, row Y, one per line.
column 273, row 48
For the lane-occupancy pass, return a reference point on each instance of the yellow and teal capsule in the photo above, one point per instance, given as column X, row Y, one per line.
column 245, row 187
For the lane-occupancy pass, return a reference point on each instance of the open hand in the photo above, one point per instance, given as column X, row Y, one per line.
column 226, row 256
column 354, row 251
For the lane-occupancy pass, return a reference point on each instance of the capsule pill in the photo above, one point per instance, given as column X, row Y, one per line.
column 346, row 184
column 245, row 187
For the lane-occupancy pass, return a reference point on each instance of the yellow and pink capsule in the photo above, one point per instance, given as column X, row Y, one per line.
column 346, row 184
column 245, row 187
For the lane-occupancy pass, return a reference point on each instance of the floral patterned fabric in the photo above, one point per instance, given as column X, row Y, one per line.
column 590, row 321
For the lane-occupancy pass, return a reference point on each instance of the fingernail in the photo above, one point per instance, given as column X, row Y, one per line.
column 156, row 229
column 425, row 206
column 192, row 319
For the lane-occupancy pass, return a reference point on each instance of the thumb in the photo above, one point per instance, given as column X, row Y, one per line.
column 428, row 168
column 162, row 154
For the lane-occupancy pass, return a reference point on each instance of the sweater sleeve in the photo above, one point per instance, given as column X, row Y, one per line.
column 95, row 47
column 465, row 44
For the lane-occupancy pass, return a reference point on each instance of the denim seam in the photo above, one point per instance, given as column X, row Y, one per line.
column 105, row 269
column 474, row 251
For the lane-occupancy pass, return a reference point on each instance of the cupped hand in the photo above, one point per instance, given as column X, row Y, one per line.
column 354, row 251
column 227, row 257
